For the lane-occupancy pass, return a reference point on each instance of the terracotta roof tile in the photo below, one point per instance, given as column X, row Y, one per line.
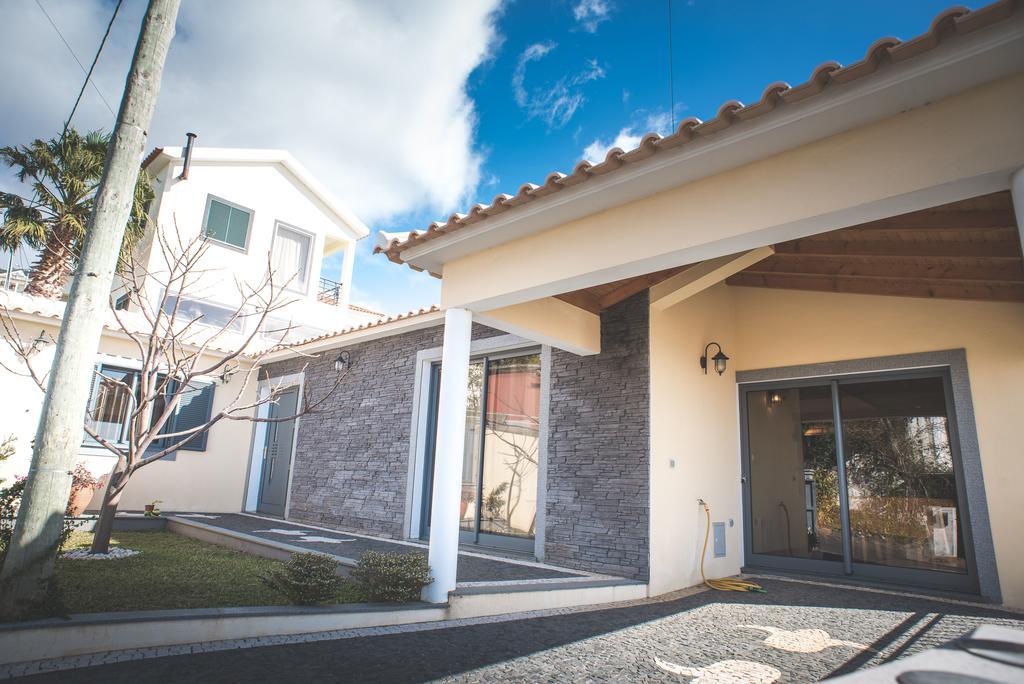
column 365, row 326
column 954, row 21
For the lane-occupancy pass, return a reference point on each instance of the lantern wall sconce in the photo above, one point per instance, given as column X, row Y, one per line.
column 718, row 359
column 775, row 397
column 343, row 362
column 225, row 375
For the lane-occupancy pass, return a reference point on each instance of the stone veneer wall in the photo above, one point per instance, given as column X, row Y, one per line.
column 598, row 491
column 351, row 463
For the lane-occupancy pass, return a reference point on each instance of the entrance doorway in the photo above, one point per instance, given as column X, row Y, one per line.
column 502, row 449
column 277, row 454
column 858, row 475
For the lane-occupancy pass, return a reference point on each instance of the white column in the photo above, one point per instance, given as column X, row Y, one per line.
column 451, row 442
column 1017, row 193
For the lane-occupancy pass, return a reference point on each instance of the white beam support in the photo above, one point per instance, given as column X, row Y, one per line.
column 1017, row 193
column 549, row 321
column 703, row 275
column 451, row 442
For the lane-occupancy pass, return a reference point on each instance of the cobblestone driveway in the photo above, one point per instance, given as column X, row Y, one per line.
column 798, row 632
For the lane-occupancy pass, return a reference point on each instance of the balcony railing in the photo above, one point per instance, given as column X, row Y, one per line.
column 329, row 292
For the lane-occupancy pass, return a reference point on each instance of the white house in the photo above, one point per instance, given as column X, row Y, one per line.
column 257, row 210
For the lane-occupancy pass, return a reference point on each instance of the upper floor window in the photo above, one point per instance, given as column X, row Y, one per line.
column 227, row 223
column 290, row 262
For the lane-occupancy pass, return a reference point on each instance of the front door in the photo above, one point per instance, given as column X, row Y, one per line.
column 858, row 475
column 277, row 454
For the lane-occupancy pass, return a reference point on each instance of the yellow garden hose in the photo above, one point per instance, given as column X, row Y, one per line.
column 727, row 583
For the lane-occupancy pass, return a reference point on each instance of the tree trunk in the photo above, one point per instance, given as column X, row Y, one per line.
column 51, row 271
column 27, row 573
column 105, row 524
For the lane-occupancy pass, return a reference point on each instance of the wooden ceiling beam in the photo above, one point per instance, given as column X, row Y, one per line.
column 957, row 268
column 1007, row 247
column 900, row 287
column 932, row 219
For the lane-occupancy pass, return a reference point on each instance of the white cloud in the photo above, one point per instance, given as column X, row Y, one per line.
column 590, row 13
column 629, row 137
column 370, row 95
column 556, row 103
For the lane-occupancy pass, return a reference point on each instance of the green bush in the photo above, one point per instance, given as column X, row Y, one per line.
column 391, row 577
column 306, row 579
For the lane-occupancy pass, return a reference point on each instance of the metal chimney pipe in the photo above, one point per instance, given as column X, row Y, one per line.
column 188, row 155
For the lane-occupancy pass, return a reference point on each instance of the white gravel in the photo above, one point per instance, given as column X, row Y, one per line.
column 114, row 553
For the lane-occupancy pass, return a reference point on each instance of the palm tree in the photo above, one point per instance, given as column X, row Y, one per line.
column 64, row 174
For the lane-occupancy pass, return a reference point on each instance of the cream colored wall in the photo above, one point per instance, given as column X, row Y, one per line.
column 747, row 207
column 695, row 419
column 212, row 480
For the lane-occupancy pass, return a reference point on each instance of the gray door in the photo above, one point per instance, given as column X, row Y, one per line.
column 277, row 454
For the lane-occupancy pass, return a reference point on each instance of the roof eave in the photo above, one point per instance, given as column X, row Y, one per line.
column 958, row 63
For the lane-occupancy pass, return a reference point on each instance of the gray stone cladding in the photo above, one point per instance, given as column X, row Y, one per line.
column 598, row 493
column 351, row 461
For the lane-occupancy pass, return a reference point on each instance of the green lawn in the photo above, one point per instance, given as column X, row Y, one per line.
column 171, row 572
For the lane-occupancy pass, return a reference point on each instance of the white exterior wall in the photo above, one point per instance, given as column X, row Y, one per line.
column 273, row 195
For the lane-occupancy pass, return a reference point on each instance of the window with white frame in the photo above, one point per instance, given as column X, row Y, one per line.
column 227, row 223
column 290, row 260
column 205, row 313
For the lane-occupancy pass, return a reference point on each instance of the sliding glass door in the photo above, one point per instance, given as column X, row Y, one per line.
column 858, row 476
column 500, row 467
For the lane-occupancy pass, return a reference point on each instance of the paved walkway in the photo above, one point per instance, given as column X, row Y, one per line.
column 473, row 567
column 797, row 632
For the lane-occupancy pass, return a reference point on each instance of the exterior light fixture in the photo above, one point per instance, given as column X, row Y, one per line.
column 719, row 359
column 225, row 375
column 39, row 342
column 775, row 397
column 343, row 362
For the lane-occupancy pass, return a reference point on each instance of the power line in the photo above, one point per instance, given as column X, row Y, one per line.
column 671, row 89
column 72, row 51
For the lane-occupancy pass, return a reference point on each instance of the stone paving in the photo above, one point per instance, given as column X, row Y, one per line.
column 471, row 568
column 797, row 632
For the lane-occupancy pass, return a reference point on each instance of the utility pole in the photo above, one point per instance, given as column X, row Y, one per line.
column 28, row 567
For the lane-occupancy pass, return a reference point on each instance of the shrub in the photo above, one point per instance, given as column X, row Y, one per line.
column 306, row 579
column 10, row 500
column 391, row 577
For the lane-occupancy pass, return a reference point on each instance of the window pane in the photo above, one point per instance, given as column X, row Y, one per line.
column 212, row 315
column 511, row 446
column 217, row 220
column 238, row 228
column 794, row 477
column 110, row 404
column 291, row 258
column 471, row 458
column 904, row 508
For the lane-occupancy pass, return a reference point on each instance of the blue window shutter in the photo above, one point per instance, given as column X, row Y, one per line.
column 194, row 409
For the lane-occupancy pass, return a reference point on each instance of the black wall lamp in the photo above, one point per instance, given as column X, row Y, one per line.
column 720, row 358
column 343, row 362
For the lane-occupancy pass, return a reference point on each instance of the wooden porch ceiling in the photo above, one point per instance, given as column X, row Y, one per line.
column 964, row 250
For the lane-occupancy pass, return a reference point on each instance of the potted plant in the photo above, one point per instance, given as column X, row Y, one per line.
column 151, row 510
column 83, row 486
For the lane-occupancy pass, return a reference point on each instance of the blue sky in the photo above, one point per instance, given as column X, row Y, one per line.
column 410, row 111
column 721, row 51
